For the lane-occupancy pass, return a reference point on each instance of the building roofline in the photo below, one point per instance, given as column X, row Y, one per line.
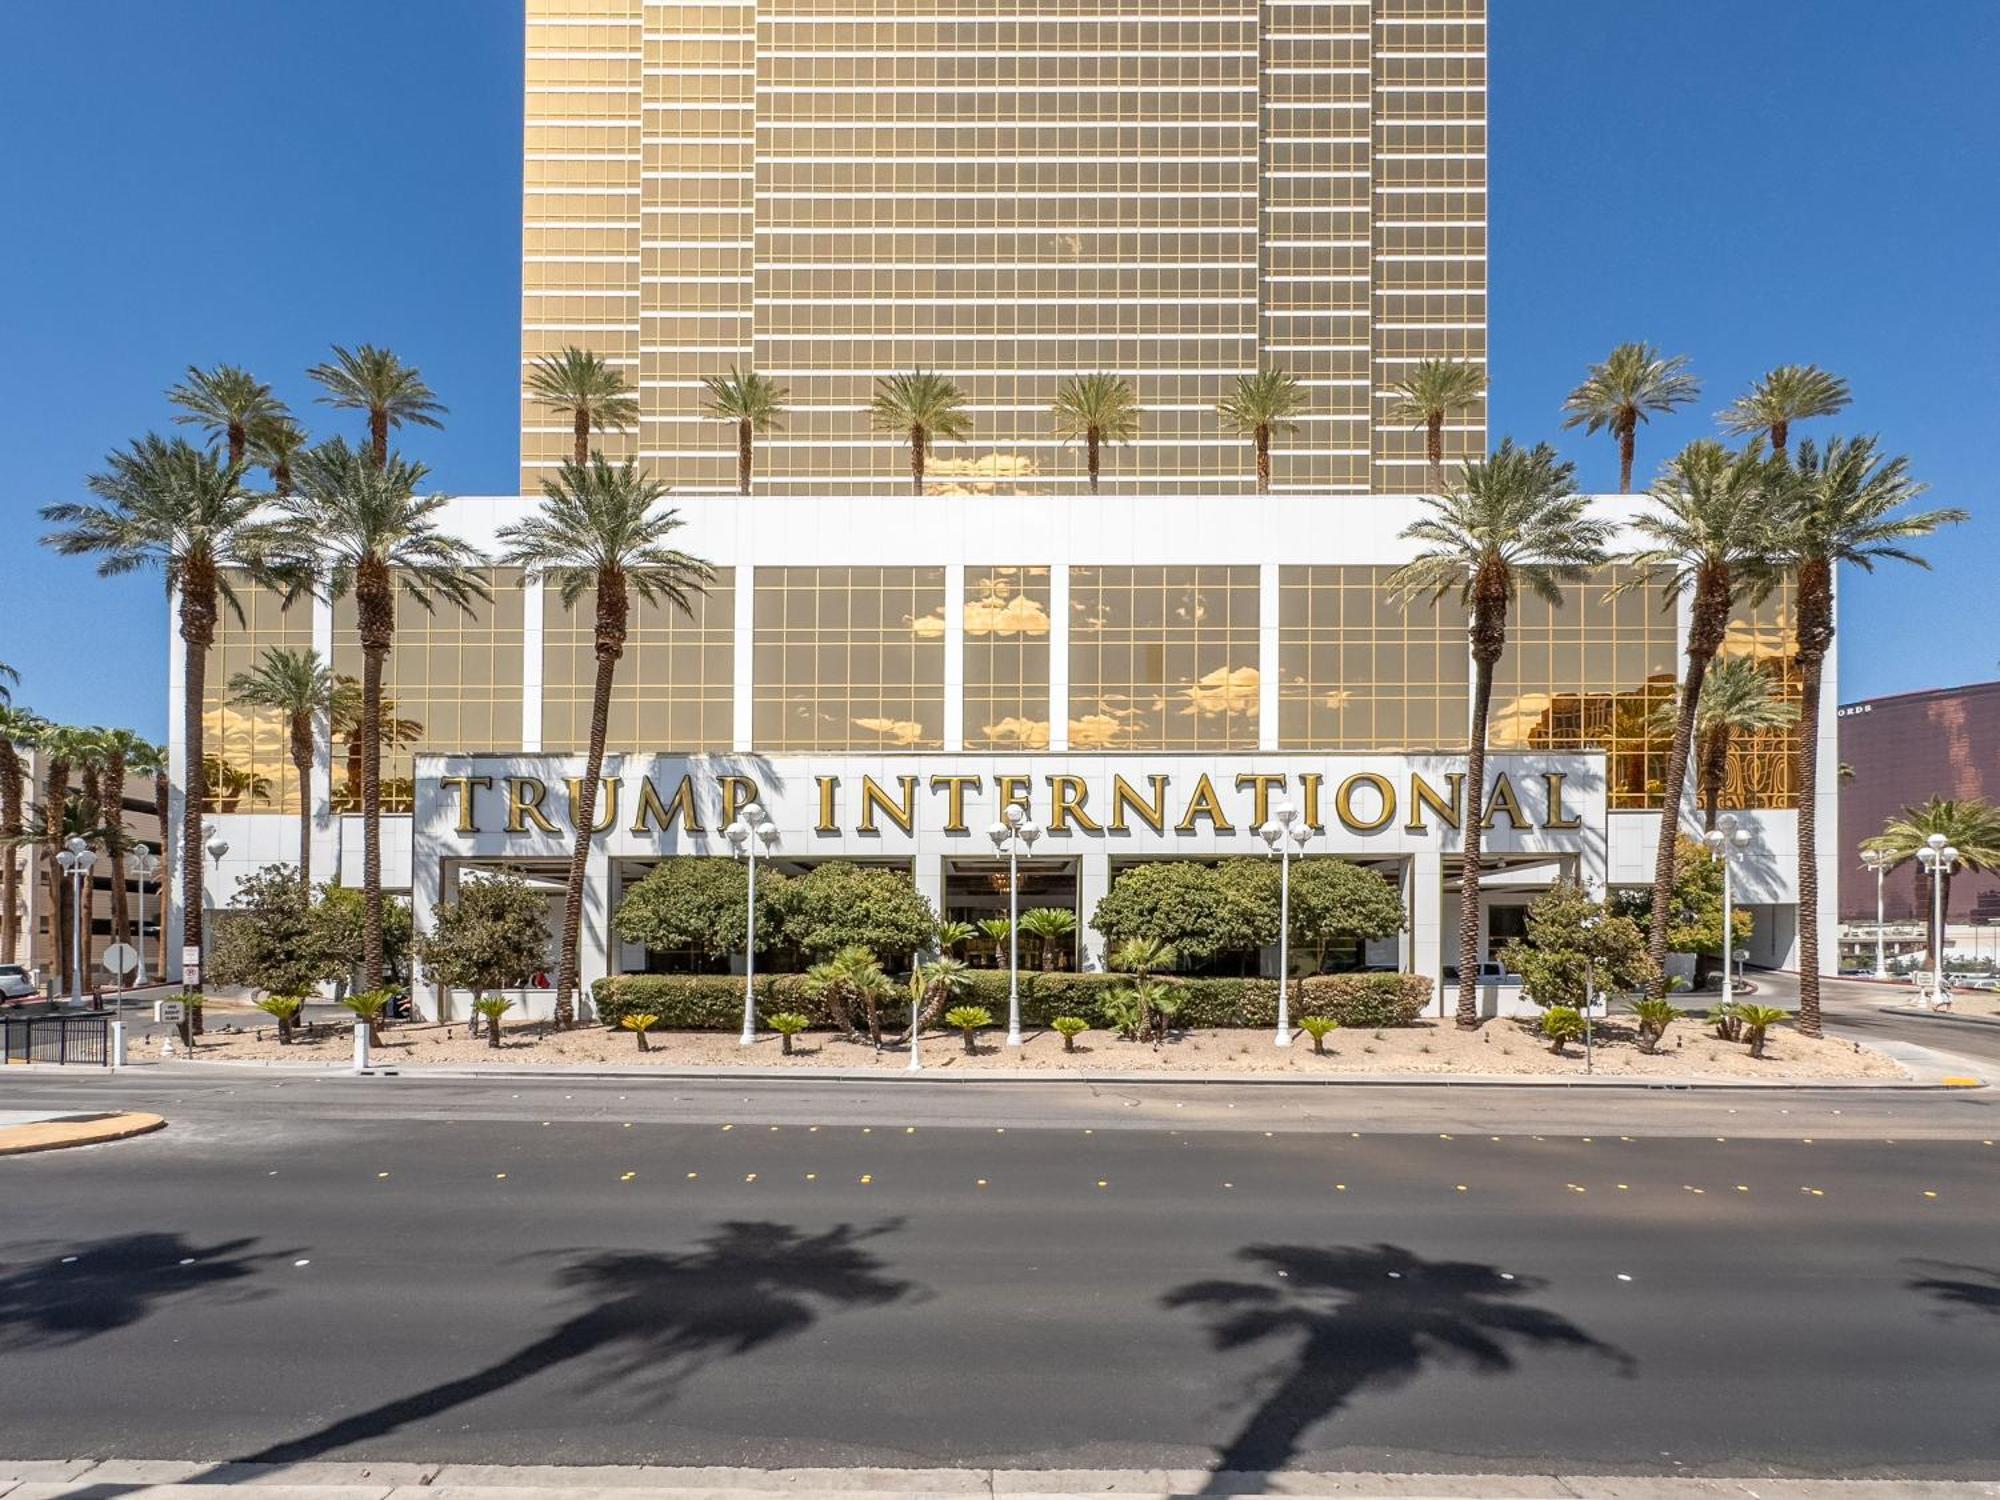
column 1936, row 692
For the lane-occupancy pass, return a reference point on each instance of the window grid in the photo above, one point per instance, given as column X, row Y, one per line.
column 848, row 659
column 1163, row 658
column 1006, row 619
column 675, row 685
column 249, row 750
column 1359, row 670
column 1764, row 764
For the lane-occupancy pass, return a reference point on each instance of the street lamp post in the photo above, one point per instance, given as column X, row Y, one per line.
column 751, row 825
column 1937, row 858
column 1726, row 841
column 1014, row 836
column 1879, row 862
column 1281, row 833
column 145, row 864
column 76, row 860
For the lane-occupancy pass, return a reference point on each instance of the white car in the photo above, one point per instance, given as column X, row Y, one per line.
column 16, row 985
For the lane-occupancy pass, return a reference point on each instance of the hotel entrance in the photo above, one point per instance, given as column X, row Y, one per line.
column 975, row 891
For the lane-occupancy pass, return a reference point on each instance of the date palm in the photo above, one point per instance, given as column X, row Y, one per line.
column 1634, row 382
column 124, row 753
column 921, row 407
column 1509, row 522
column 9, row 680
column 372, row 533
column 755, row 403
column 1780, row 397
column 1707, row 533
column 1848, row 503
column 18, row 731
column 227, row 403
column 275, row 446
column 1969, row 824
column 375, row 381
column 1099, row 409
column 1736, row 698
column 63, row 749
column 167, row 504
column 1258, row 406
column 303, row 692
column 586, row 388
column 1051, row 927
column 601, row 530
column 1427, row 397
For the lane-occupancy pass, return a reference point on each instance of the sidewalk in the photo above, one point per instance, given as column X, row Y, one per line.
column 21, row 1133
column 84, row 1480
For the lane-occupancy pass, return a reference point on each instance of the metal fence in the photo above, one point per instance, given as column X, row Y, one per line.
column 56, row 1039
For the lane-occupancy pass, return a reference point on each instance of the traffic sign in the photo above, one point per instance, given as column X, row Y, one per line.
column 121, row 958
column 171, row 1011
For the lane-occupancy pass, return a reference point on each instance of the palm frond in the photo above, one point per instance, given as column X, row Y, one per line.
column 374, row 380
column 920, row 399
column 598, row 519
column 1102, row 403
column 1434, row 389
column 1270, row 398
column 1790, row 393
column 746, row 396
column 578, row 382
column 1634, row 382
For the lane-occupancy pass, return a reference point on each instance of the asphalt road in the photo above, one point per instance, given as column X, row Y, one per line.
column 1027, row 1276
column 1882, row 1012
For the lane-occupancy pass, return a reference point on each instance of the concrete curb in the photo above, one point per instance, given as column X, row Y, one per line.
column 76, row 1130
column 1918, row 1013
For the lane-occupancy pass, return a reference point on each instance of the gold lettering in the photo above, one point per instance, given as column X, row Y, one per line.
column 1556, row 818
column 954, row 807
column 1424, row 798
column 828, row 785
column 524, row 802
column 466, row 822
column 738, row 792
column 1343, row 802
column 663, row 815
column 1153, row 814
column 1309, row 794
column 903, row 814
column 1010, row 790
column 1205, row 803
column 607, row 808
column 1503, row 800
column 1260, row 783
column 1067, row 794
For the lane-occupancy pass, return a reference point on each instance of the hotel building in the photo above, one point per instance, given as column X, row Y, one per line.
column 1179, row 194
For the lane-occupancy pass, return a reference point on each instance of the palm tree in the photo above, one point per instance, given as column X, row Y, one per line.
column 229, row 404
column 600, row 528
column 377, row 382
column 1259, row 405
column 301, row 689
column 1780, row 397
column 18, row 731
column 1971, row 825
column 170, row 505
column 1633, row 383
column 922, row 406
column 1428, row 395
column 755, row 403
column 9, row 680
column 371, row 532
column 586, row 387
column 1098, row 408
column 1708, row 532
column 275, row 446
column 1511, row 521
column 1846, row 505
column 1736, row 698
column 63, row 748
column 48, row 828
column 123, row 752
column 1049, row 926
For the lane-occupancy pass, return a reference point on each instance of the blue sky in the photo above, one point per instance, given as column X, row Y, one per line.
column 1749, row 183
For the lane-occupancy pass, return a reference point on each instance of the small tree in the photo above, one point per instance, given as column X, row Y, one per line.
column 1651, row 1017
column 340, row 917
column 269, row 941
column 495, row 936
column 1049, row 926
column 1069, row 1028
column 1560, row 1024
column 968, row 1020
column 1204, row 911
column 788, row 1024
column 1694, row 910
column 1318, row 1027
column 851, row 980
column 1575, row 948
column 698, row 904
column 490, row 1008
column 839, row 905
column 1334, row 902
column 639, row 1025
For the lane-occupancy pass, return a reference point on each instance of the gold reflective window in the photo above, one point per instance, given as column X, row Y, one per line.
column 1763, row 763
column 1359, row 670
column 1163, row 658
column 1006, row 617
column 248, row 750
column 674, row 686
column 848, row 659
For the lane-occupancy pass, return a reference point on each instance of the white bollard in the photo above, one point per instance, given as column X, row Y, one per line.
column 361, row 1046
column 117, row 1044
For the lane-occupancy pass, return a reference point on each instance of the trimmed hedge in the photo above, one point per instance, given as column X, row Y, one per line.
column 714, row 1002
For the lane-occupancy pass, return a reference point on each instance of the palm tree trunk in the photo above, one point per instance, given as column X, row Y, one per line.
column 1489, row 639
column 1093, row 454
column 1705, row 631
column 375, row 606
column 378, row 439
column 612, row 619
column 10, row 833
column 1781, row 439
column 239, row 442
column 917, row 437
column 197, row 635
column 302, row 762
column 1714, row 772
column 582, row 436
column 1263, row 458
column 743, row 442
column 162, row 801
column 1815, row 585
column 121, row 905
column 1627, row 440
column 1434, row 448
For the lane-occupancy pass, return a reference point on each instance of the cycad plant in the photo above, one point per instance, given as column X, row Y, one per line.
column 1426, row 398
column 1509, row 522
column 1651, row 1017
column 1051, row 927
column 1634, row 383
column 1736, row 698
column 1260, row 406
column 166, row 504
column 229, row 404
column 1098, row 409
column 369, row 1006
column 1847, row 503
column 375, row 381
column 1319, row 1028
column 1069, row 1028
column 1561, row 1024
column 1144, row 956
column 755, row 403
column 852, row 979
column 602, row 530
column 585, row 388
column 1708, row 533
column 952, row 936
column 968, row 1021
column 372, row 534
column 788, row 1024
column 1756, row 1022
column 1780, row 397
column 996, row 931
column 920, row 407
column 491, row 1009
column 639, row 1024
column 284, row 1009
column 302, row 691
column 1969, row 824
column 932, row 986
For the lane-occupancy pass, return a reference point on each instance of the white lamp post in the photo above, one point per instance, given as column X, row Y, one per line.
column 1726, row 841
column 146, row 864
column 1014, row 835
column 1938, row 859
column 752, row 825
column 1282, row 832
column 1879, row 862
column 76, row 860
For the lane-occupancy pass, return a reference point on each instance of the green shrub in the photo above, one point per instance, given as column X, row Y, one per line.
column 1756, row 1020
column 1653, row 1017
column 968, row 1020
column 1070, row 1028
column 1560, row 1024
column 285, row 1010
column 368, row 1006
column 788, row 1024
column 1727, row 1019
column 1317, row 1028
column 1366, row 1001
column 491, row 1008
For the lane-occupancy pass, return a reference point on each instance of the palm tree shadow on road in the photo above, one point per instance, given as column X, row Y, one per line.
column 1957, row 1287
column 49, row 1299
column 1361, row 1318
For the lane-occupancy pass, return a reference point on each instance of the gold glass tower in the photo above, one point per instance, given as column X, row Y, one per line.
column 1007, row 192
